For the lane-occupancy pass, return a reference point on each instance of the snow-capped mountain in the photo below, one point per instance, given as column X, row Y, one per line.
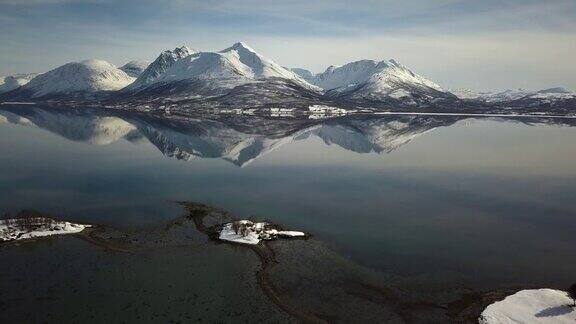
column 465, row 93
column 84, row 77
column 506, row 95
column 157, row 68
column 240, row 77
column 239, row 73
column 373, row 80
column 304, row 74
column 256, row 66
column 135, row 68
column 510, row 95
column 213, row 73
column 553, row 93
column 15, row 81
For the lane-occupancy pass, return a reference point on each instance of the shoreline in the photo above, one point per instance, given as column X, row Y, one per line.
column 304, row 114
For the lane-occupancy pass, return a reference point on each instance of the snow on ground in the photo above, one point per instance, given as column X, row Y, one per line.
column 27, row 228
column 323, row 109
column 531, row 306
column 247, row 232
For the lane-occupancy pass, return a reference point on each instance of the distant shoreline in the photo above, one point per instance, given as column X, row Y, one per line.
column 471, row 114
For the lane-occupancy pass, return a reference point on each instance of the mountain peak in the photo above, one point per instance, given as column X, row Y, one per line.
column 162, row 63
column 184, row 51
column 177, row 53
column 96, row 64
column 240, row 47
column 242, row 44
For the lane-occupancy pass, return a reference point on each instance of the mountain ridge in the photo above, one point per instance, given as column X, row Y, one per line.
column 239, row 76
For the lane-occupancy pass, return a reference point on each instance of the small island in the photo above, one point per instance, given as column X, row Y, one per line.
column 248, row 232
column 25, row 228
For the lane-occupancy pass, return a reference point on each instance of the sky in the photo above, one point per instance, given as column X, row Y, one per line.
column 481, row 45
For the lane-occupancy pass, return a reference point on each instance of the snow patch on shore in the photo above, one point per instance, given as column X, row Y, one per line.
column 247, row 232
column 323, row 109
column 531, row 306
column 26, row 228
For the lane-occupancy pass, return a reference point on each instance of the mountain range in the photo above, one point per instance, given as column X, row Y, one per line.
column 238, row 76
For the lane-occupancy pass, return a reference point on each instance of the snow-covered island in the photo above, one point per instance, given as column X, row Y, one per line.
column 15, row 229
column 247, row 232
column 531, row 306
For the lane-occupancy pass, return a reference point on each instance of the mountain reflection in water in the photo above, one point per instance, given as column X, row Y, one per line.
column 237, row 139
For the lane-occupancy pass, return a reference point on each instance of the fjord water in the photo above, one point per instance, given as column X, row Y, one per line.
column 436, row 200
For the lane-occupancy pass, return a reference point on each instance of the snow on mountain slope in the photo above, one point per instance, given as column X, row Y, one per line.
column 227, row 69
column 506, row 95
column 157, row 68
column 464, row 93
column 557, row 93
column 262, row 67
column 15, row 81
column 368, row 79
column 86, row 76
column 303, row 73
column 553, row 93
column 380, row 74
column 212, row 72
column 135, row 68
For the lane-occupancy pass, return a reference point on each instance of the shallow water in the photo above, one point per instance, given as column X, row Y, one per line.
column 434, row 201
column 69, row 280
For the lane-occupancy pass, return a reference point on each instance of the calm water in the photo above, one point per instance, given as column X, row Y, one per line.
column 473, row 202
